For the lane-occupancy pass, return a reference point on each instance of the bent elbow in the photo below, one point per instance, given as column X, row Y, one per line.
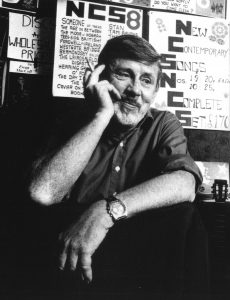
column 188, row 186
column 191, row 188
column 41, row 196
column 192, row 196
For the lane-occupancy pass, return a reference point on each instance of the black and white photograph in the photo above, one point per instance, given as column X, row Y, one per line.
column 114, row 150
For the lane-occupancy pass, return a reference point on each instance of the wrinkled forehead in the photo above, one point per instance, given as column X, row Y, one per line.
column 126, row 62
column 145, row 67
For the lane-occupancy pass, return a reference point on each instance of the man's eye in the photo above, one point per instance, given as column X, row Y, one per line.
column 122, row 75
column 146, row 80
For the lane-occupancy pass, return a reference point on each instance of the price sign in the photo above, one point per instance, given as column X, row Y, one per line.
column 30, row 38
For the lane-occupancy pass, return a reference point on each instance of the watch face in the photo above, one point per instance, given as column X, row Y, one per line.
column 118, row 210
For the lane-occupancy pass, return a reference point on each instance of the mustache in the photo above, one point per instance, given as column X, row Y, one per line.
column 130, row 101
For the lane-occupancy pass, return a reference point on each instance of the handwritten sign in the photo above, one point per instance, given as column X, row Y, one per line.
column 211, row 8
column 26, row 67
column 143, row 3
column 195, row 83
column 82, row 28
column 30, row 38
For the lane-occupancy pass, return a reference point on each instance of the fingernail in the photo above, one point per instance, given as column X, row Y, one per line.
column 88, row 281
column 85, row 280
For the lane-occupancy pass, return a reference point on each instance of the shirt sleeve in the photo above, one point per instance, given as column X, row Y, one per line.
column 172, row 150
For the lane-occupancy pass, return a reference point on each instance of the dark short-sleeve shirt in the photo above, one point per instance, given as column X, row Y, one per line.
column 157, row 145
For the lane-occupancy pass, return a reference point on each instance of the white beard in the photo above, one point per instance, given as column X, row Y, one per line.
column 129, row 116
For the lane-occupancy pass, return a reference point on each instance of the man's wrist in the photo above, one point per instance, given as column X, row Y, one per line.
column 105, row 114
column 99, row 208
column 116, row 209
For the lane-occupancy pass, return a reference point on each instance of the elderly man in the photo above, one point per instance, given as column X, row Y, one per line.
column 116, row 157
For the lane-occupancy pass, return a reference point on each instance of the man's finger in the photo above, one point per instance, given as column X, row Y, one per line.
column 73, row 258
column 62, row 259
column 85, row 266
column 94, row 78
column 114, row 94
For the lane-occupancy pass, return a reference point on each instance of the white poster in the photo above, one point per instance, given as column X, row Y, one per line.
column 195, row 83
column 211, row 8
column 30, row 38
column 82, row 28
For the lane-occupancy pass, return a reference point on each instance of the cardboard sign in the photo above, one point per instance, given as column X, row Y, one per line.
column 30, row 39
column 82, row 28
column 195, row 83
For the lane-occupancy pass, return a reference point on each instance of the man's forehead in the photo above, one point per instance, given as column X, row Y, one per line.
column 142, row 66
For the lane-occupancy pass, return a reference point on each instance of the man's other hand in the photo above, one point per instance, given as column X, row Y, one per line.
column 81, row 240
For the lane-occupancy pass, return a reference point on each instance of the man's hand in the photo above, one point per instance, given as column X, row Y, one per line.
column 101, row 93
column 82, row 239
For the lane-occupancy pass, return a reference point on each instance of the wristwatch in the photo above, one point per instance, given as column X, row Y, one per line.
column 116, row 209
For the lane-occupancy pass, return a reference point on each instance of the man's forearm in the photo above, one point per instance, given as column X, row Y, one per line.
column 164, row 190
column 53, row 176
column 83, row 238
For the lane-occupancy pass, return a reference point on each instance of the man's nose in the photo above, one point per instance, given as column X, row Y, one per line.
column 134, row 88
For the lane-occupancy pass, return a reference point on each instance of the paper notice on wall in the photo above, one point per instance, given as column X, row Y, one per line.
column 26, row 67
column 30, row 38
column 185, row 6
column 82, row 29
column 211, row 8
column 195, row 83
column 20, row 5
column 143, row 3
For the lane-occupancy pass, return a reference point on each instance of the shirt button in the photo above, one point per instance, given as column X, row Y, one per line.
column 117, row 169
column 121, row 144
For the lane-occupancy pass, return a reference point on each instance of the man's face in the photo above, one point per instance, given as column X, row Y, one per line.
column 137, row 85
